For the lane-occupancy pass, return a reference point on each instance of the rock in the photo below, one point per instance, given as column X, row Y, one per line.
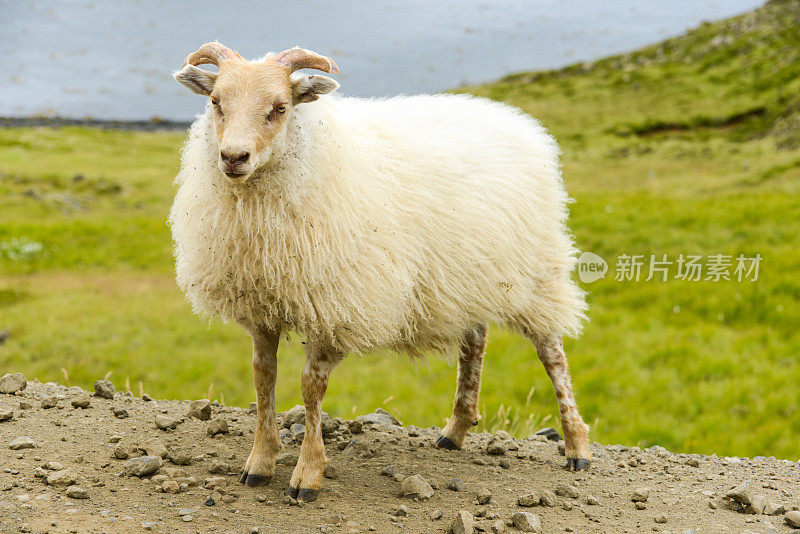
column 214, row 482
column 693, row 462
column 771, row 508
column 793, row 518
column 484, row 496
column 463, row 523
column 63, row 478
column 436, row 514
column 155, row 447
column 376, row 419
column 12, row 382
column 550, row 433
column 566, row 490
column 497, row 527
column 359, row 448
column 104, row 389
column 641, row 506
column 82, row 401
column 416, row 486
column 165, row 422
column 661, row 519
column 25, row 405
column 200, row 409
column 121, row 452
column 756, row 506
column 395, row 420
column 22, row 442
column 456, row 484
column 402, row 511
column 298, row 431
column 119, row 413
column 143, row 465
column 640, row 494
column 49, row 402
column 77, row 492
column 218, row 425
column 170, row 486
column 6, row 414
column 389, row 471
column 527, row 522
column 742, row 494
column 330, row 471
column 355, row 427
column 219, row 467
column 180, row 456
column 54, row 466
column 496, row 447
column 548, row 498
column 592, row 500
column 148, row 525
column 529, row 499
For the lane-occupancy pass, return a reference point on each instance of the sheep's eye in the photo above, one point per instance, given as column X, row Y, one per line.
column 281, row 109
column 215, row 101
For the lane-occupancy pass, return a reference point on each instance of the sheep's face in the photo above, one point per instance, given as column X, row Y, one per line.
column 252, row 104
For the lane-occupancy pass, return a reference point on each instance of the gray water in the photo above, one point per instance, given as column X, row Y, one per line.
column 113, row 59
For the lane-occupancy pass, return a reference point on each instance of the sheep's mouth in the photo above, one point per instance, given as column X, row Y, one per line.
column 236, row 175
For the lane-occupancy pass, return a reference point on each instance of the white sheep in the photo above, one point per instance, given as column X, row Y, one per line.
column 405, row 224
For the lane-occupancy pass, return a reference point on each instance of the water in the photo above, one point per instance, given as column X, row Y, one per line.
column 113, row 59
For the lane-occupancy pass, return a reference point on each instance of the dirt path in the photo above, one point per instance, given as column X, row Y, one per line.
column 83, row 452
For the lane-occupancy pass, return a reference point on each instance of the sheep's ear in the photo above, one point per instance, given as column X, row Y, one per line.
column 196, row 80
column 308, row 88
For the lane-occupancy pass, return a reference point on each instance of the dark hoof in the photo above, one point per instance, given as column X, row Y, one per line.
column 257, row 480
column 291, row 492
column 243, row 476
column 307, row 495
column 446, row 443
column 577, row 464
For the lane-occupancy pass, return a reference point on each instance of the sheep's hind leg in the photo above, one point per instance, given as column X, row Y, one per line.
column 260, row 466
column 465, row 405
column 306, row 478
column 576, row 432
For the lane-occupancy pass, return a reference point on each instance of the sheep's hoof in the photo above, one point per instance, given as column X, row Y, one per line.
column 302, row 494
column 577, row 464
column 254, row 479
column 446, row 443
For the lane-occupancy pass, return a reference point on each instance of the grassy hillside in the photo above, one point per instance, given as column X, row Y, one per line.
column 690, row 146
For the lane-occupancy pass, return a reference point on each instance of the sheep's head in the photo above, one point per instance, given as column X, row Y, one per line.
column 253, row 100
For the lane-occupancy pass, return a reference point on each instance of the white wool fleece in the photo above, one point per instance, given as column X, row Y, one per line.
column 383, row 224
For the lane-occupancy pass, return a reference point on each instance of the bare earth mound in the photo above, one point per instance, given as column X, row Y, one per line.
column 111, row 462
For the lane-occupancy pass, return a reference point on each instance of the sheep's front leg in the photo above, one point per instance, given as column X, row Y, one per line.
column 306, row 479
column 260, row 466
column 576, row 432
column 465, row 405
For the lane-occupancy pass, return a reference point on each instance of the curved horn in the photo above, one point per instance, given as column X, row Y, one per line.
column 210, row 53
column 299, row 58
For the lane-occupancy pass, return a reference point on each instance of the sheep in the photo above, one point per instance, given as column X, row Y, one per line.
column 405, row 224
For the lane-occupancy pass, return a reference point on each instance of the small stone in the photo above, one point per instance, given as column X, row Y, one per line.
column 548, row 499
column 641, row 506
column 527, row 522
column 742, row 494
column 148, row 525
column 54, row 466
column 355, row 427
column 771, row 508
column 298, row 431
column 463, row 523
column 166, row 423
column 793, row 518
column 121, row 452
column 49, row 402
column 592, row 500
column 25, row 405
column 214, row 483
column 436, row 515
column 389, row 471
column 330, row 471
column 6, row 414
column 62, row 479
column 661, row 519
column 529, row 499
column 456, row 484
column 180, row 456
column 484, row 496
column 376, row 419
column 219, row 467
column 12, row 382
column 22, row 442
column 104, row 389
column 82, row 401
column 497, row 527
column 143, row 465
column 402, row 511
column 77, row 492
column 640, row 494
column 170, row 486
column 200, row 409
column 416, row 486
column 155, row 447
column 693, row 462
column 119, row 413
column 496, row 447
column 566, row 490
column 218, row 425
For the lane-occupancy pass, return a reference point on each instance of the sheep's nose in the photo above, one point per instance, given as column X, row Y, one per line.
column 234, row 158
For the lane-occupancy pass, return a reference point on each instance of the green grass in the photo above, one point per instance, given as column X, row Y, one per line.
column 686, row 147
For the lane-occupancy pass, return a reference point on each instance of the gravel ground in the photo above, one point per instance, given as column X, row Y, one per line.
column 106, row 461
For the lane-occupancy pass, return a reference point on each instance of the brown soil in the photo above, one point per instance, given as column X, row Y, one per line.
column 685, row 491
